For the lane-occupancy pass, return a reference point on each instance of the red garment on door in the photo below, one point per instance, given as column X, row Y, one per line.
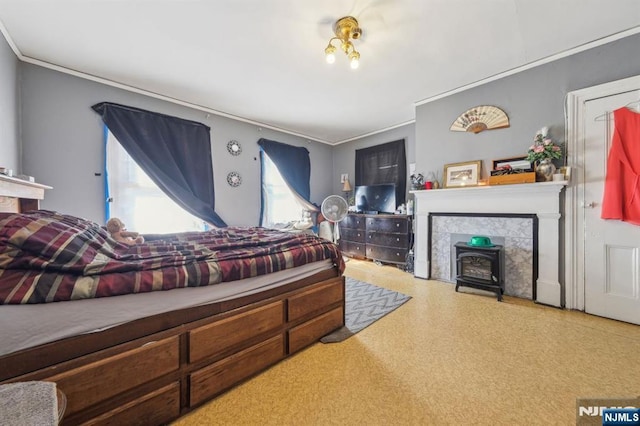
column 621, row 198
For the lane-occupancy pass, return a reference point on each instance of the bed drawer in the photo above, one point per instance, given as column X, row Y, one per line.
column 217, row 377
column 314, row 299
column 214, row 338
column 156, row 408
column 100, row 380
column 310, row 331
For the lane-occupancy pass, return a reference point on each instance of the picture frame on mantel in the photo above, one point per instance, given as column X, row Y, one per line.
column 519, row 163
column 464, row 174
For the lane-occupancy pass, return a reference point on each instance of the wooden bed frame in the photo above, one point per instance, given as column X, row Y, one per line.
column 155, row 369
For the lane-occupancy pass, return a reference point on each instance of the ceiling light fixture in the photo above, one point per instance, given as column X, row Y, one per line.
column 346, row 29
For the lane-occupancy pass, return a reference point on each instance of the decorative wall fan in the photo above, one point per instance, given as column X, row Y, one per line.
column 234, row 148
column 234, row 179
column 482, row 117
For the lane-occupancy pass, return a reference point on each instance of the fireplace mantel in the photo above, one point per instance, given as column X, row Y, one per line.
column 541, row 199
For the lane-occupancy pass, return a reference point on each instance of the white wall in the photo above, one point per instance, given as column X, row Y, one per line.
column 63, row 146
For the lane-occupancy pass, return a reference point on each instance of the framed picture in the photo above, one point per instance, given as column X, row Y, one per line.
column 462, row 174
column 519, row 163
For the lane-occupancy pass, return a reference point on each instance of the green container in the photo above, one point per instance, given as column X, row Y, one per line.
column 480, row 241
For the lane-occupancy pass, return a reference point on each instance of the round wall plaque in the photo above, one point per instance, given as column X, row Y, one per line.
column 234, row 179
column 234, row 148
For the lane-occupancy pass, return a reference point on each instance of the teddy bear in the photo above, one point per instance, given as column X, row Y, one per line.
column 119, row 233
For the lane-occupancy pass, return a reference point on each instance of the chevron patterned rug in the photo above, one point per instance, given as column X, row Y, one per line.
column 365, row 304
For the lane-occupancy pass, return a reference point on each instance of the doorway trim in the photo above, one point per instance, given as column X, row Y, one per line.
column 575, row 234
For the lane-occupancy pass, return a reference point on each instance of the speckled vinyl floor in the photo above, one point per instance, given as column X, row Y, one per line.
column 442, row 358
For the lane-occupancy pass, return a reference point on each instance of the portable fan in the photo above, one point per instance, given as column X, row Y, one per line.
column 334, row 208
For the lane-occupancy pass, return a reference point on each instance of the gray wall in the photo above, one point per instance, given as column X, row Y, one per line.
column 344, row 155
column 62, row 145
column 9, row 107
column 532, row 99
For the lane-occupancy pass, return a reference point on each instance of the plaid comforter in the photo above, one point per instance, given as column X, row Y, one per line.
column 48, row 257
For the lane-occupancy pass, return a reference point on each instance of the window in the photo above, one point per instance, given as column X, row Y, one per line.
column 385, row 163
column 280, row 205
column 137, row 201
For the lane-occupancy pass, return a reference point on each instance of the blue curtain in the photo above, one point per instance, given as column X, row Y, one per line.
column 293, row 164
column 175, row 153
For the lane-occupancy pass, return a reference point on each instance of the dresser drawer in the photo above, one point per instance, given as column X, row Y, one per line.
column 386, row 239
column 352, row 249
column 388, row 224
column 356, row 235
column 387, row 254
column 353, row 221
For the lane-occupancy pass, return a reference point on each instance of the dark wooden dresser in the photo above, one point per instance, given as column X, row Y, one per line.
column 385, row 238
column 353, row 235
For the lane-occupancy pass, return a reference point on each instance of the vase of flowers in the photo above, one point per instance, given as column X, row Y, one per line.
column 542, row 153
column 417, row 181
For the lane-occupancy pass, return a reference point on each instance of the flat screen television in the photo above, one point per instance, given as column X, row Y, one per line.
column 376, row 198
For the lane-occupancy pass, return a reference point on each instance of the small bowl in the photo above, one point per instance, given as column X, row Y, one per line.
column 480, row 241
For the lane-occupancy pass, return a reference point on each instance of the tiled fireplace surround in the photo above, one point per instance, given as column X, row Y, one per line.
column 508, row 214
column 516, row 233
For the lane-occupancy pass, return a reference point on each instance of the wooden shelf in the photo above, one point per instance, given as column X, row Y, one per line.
column 18, row 195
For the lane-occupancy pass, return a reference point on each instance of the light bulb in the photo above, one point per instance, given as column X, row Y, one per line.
column 331, row 58
column 355, row 59
column 330, row 54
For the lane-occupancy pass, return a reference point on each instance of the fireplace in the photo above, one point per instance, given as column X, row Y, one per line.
column 480, row 267
column 542, row 200
column 516, row 233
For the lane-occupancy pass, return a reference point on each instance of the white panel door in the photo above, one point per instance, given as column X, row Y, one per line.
column 612, row 247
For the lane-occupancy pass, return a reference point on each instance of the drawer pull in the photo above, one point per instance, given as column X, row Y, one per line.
column 398, row 254
column 397, row 225
column 398, row 239
column 358, row 235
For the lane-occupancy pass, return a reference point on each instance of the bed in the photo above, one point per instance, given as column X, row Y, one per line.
column 143, row 334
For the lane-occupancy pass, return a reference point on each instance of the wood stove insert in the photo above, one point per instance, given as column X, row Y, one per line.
column 480, row 267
